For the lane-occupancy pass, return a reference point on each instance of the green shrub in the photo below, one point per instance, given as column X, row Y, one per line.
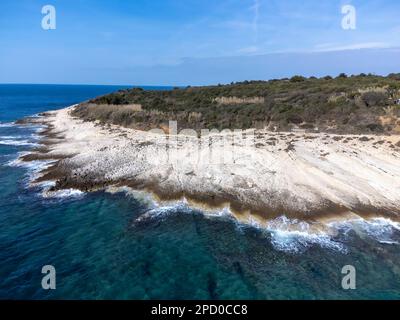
column 283, row 102
column 297, row 79
column 374, row 98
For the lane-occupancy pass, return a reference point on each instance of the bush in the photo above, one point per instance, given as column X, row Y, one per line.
column 297, row 79
column 374, row 98
column 318, row 102
column 394, row 76
column 294, row 118
column 375, row 127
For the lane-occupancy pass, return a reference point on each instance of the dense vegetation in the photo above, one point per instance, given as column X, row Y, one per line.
column 351, row 104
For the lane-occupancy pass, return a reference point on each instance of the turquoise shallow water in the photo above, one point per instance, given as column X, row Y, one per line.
column 101, row 250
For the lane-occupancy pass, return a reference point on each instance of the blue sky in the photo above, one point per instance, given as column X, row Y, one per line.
column 180, row 42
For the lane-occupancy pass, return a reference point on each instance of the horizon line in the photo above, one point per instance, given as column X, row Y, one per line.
column 192, row 85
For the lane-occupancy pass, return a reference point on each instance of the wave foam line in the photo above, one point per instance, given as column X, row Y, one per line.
column 62, row 194
column 11, row 142
column 6, row 124
column 379, row 229
column 12, row 137
column 293, row 235
column 290, row 235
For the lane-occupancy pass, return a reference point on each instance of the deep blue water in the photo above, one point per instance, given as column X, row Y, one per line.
column 101, row 251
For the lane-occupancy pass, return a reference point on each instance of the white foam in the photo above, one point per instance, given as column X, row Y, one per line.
column 162, row 212
column 38, row 128
column 225, row 213
column 142, row 196
column 7, row 124
column 34, row 169
column 12, row 137
column 11, row 142
column 290, row 235
column 379, row 229
column 45, row 185
column 293, row 235
column 66, row 193
column 294, row 241
column 35, row 165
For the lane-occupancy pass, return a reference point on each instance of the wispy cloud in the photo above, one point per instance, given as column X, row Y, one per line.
column 355, row 46
column 234, row 24
column 164, row 31
column 256, row 9
column 249, row 50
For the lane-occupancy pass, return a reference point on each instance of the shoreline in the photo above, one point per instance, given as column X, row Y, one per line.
column 89, row 156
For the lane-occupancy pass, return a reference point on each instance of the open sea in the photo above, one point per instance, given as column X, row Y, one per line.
column 102, row 249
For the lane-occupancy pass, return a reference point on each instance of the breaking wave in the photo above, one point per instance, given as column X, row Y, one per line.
column 62, row 194
column 6, row 124
column 11, row 142
column 381, row 230
column 292, row 235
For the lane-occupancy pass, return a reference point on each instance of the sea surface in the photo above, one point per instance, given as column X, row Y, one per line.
column 122, row 245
